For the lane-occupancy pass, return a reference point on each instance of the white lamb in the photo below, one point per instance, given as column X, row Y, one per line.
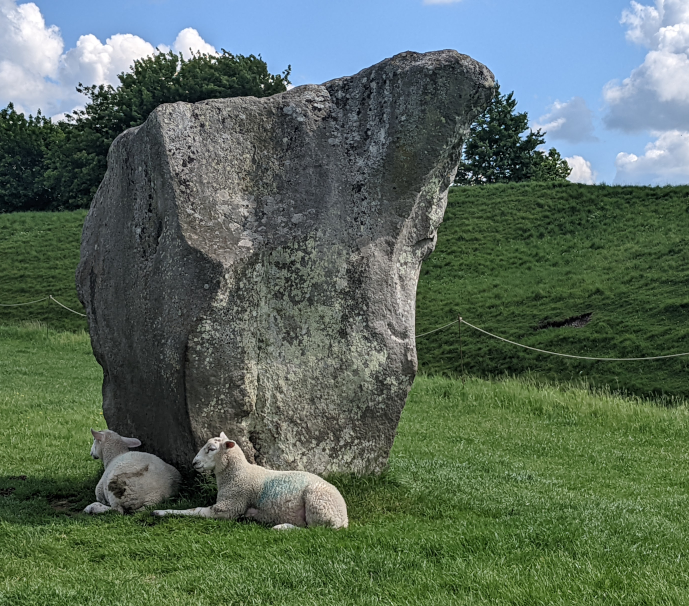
column 131, row 480
column 282, row 499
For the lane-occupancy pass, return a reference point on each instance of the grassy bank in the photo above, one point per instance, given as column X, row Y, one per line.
column 39, row 253
column 510, row 258
column 513, row 258
column 497, row 493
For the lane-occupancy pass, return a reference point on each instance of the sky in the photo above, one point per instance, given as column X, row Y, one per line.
column 607, row 81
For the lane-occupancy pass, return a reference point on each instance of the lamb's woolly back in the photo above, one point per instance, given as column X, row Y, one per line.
column 276, row 498
column 131, row 480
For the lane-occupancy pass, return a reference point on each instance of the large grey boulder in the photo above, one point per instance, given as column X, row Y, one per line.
column 250, row 265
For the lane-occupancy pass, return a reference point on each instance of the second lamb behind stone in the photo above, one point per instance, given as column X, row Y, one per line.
column 131, row 480
column 282, row 499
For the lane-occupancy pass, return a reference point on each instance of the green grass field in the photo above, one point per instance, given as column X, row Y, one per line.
column 39, row 253
column 513, row 257
column 509, row 258
column 497, row 493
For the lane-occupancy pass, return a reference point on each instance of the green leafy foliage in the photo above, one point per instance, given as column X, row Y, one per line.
column 78, row 166
column 68, row 160
column 24, row 146
column 166, row 78
column 550, row 166
column 498, row 150
column 497, row 493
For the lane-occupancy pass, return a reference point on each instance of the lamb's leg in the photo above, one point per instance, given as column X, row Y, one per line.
column 96, row 507
column 100, row 491
column 197, row 512
column 250, row 514
column 225, row 510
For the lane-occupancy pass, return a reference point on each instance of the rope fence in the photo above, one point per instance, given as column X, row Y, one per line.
column 437, row 329
column 27, row 303
column 48, row 298
column 67, row 308
column 459, row 321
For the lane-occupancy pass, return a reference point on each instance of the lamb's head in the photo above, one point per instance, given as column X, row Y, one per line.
column 217, row 453
column 101, row 438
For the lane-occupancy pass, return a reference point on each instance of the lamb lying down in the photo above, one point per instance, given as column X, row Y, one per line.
column 282, row 499
column 131, row 480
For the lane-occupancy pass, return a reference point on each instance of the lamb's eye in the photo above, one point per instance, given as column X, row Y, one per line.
column 212, row 448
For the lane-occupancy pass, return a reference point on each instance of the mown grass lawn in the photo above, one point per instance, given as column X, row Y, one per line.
column 497, row 493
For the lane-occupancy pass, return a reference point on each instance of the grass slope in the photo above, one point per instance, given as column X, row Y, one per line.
column 497, row 493
column 510, row 257
column 39, row 253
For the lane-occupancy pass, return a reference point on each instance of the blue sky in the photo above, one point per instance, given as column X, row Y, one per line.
column 609, row 80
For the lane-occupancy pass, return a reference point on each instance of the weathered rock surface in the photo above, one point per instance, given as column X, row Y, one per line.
column 250, row 265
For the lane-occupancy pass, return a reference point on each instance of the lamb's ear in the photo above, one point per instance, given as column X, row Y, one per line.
column 223, row 437
column 230, row 444
column 97, row 435
column 131, row 442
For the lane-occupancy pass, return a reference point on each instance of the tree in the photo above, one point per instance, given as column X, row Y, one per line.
column 24, row 146
column 550, row 166
column 498, row 150
column 77, row 167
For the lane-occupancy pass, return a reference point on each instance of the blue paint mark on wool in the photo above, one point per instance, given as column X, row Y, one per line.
column 279, row 487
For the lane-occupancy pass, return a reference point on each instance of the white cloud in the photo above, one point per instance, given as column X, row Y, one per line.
column 29, row 54
column 35, row 72
column 24, row 33
column 568, row 121
column 92, row 62
column 62, row 116
column 644, row 23
column 656, row 94
column 189, row 39
column 582, row 171
column 665, row 161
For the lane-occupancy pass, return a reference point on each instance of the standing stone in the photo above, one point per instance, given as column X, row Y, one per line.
column 250, row 265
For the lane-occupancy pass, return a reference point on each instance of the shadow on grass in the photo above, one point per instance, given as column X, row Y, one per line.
column 45, row 497
column 39, row 500
column 28, row 499
column 372, row 497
